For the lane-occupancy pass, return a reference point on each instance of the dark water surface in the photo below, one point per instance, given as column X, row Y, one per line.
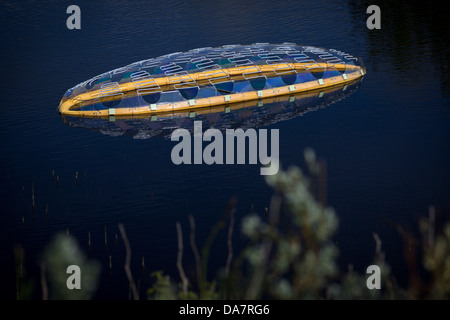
column 386, row 146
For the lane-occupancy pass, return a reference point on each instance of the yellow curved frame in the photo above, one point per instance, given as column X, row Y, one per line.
column 67, row 104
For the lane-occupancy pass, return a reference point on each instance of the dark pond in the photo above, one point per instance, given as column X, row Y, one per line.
column 386, row 144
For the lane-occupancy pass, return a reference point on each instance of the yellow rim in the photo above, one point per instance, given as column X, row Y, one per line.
column 129, row 88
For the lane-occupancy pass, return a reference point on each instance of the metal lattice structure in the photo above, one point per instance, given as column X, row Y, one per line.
column 244, row 115
column 209, row 77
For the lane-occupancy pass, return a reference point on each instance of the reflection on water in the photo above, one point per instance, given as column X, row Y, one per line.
column 413, row 34
column 250, row 114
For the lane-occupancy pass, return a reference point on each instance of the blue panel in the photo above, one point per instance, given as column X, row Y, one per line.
column 331, row 72
column 189, row 93
column 289, row 78
column 152, row 98
column 242, row 86
column 304, row 77
column 206, row 92
column 112, row 103
column 275, row 82
column 225, row 87
column 258, row 83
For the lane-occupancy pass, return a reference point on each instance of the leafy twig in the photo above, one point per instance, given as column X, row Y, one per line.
column 258, row 276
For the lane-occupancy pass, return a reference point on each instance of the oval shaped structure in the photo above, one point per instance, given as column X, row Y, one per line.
column 209, row 77
column 247, row 114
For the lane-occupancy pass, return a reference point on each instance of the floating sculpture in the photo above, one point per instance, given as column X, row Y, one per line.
column 210, row 77
column 244, row 115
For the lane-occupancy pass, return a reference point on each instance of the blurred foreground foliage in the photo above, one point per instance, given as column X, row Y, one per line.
column 290, row 255
column 64, row 251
